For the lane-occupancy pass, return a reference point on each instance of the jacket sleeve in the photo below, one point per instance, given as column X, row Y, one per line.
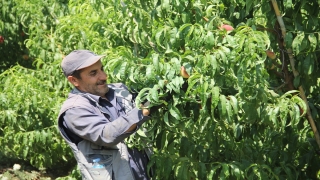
column 97, row 129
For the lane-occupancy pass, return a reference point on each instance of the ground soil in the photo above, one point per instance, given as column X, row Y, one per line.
column 27, row 172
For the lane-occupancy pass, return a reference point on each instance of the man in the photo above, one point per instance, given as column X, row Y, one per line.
column 97, row 117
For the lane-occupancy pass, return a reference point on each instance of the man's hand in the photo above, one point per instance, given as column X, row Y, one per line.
column 145, row 111
column 132, row 128
column 150, row 110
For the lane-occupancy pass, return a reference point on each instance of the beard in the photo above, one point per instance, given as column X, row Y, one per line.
column 102, row 88
column 99, row 88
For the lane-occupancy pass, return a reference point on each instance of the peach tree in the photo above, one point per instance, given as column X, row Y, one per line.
column 31, row 89
column 235, row 83
column 12, row 37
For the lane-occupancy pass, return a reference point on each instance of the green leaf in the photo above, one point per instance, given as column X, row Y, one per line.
column 49, row 136
column 225, row 171
column 113, row 64
column 215, row 94
column 149, row 71
column 295, row 115
column 175, row 112
column 229, row 111
column 167, row 165
column 122, row 70
column 288, row 40
column 142, row 96
column 141, row 133
column 289, row 93
column 297, row 43
column 190, row 31
column 308, row 64
column 222, row 106
column 43, row 136
column 34, row 100
column 238, row 131
column 184, row 26
column 37, row 136
column 176, row 84
column 166, row 119
column 248, row 6
column 185, row 17
column 313, row 41
column 184, row 146
column 288, row 4
column 182, row 171
column 204, row 94
column 154, row 93
column 25, row 152
column 296, row 81
column 214, row 64
column 209, row 40
column 155, row 60
column 192, row 80
column 222, row 55
column 235, row 170
column 213, row 171
column 202, row 170
column 302, row 104
column 25, row 138
column 234, row 103
column 165, row 4
column 164, row 140
column 132, row 74
column 240, row 41
column 252, row 166
column 159, row 37
column 273, row 115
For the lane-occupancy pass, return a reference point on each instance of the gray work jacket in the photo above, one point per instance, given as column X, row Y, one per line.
column 100, row 136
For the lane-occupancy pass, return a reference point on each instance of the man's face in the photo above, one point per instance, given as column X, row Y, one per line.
column 93, row 80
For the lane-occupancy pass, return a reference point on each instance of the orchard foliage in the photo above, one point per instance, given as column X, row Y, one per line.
column 237, row 116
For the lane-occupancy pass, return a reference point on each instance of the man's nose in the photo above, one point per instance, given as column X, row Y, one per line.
column 103, row 75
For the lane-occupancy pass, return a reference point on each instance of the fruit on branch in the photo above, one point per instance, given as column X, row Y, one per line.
column 183, row 72
column 271, row 54
column 272, row 66
column 205, row 19
column 25, row 57
column 302, row 112
column 1, row 39
column 226, row 27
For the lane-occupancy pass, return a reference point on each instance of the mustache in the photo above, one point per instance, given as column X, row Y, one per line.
column 101, row 82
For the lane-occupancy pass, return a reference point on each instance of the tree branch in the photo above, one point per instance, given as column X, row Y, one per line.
column 295, row 72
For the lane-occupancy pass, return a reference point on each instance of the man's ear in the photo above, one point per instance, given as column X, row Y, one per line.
column 73, row 80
